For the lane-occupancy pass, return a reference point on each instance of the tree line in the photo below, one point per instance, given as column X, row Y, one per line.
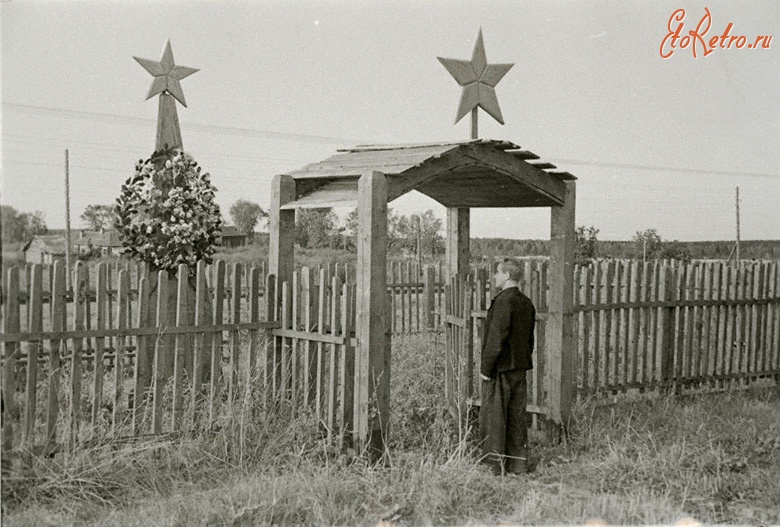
column 20, row 226
column 417, row 234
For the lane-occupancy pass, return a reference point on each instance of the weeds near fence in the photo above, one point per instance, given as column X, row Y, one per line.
column 715, row 458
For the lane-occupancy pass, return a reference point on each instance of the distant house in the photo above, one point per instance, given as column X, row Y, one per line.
column 232, row 237
column 104, row 243
column 45, row 249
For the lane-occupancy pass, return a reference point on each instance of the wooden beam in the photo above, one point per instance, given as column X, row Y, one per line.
column 168, row 130
column 442, row 165
column 543, row 165
column 457, row 248
column 482, row 188
column 281, row 250
column 519, row 170
column 559, row 332
column 372, row 358
column 523, row 154
column 331, row 193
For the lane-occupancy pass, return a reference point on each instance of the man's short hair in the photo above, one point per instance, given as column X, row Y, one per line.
column 512, row 268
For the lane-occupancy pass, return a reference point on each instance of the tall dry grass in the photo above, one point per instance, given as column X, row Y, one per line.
column 715, row 458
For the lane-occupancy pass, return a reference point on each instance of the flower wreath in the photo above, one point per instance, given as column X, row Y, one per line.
column 166, row 213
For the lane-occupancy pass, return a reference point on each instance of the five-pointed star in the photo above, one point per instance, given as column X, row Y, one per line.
column 478, row 79
column 166, row 74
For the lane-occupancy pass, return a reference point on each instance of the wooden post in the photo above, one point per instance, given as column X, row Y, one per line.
column 34, row 349
column 80, row 289
column 162, row 351
column 68, row 266
column 372, row 368
column 458, row 226
column 179, row 350
column 429, row 298
column 58, row 310
column 11, row 353
column 281, row 249
column 122, row 305
column 168, row 130
column 200, row 349
column 666, row 337
column 142, row 376
column 737, row 257
column 560, row 339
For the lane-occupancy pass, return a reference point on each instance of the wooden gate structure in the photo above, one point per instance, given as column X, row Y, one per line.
column 459, row 175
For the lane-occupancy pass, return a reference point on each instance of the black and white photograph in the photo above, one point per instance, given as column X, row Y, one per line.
column 361, row 262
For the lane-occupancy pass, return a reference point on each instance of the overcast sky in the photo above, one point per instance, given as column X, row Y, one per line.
column 655, row 143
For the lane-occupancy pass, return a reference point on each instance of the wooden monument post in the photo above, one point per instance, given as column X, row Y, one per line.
column 281, row 250
column 166, row 76
column 372, row 358
column 560, row 338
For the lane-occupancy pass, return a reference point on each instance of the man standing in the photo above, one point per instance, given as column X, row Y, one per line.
column 506, row 356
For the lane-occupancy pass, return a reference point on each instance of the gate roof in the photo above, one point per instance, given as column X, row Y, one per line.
column 476, row 173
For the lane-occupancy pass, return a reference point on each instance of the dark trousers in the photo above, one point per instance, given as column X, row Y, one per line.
column 502, row 421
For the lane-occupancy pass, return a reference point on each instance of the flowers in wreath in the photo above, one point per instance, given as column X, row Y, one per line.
column 166, row 213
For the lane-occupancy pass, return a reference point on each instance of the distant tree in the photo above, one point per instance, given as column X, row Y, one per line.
column 13, row 231
column 676, row 250
column 399, row 232
column 587, row 244
column 20, row 226
column 99, row 217
column 403, row 232
column 350, row 229
column 430, row 229
column 35, row 223
column 246, row 215
column 647, row 244
column 316, row 228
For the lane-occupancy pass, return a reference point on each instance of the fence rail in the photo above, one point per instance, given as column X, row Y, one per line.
column 100, row 361
column 640, row 325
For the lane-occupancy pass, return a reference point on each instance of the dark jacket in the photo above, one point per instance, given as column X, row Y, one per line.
column 509, row 333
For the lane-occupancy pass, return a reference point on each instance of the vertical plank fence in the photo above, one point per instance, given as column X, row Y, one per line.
column 128, row 352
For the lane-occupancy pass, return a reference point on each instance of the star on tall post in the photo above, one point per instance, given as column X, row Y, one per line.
column 166, row 83
column 478, row 79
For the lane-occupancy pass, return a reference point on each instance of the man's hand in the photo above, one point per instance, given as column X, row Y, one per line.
column 485, row 377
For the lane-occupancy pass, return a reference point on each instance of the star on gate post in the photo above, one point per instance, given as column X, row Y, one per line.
column 166, row 83
column 478, row 79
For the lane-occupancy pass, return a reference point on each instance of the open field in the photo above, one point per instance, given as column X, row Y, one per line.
column 715, row 458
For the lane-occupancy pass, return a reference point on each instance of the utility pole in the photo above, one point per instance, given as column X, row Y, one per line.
column 737, row 254
column 68, row 278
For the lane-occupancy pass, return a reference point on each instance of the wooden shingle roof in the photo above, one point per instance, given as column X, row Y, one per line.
column 477, row 173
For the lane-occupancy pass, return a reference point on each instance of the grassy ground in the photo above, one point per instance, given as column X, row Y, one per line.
column 715, row 458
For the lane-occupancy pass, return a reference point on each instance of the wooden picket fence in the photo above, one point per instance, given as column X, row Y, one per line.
column 310, row 358
column 126, row 353
column 644, row 325
column 417, row 298
column 169, row 366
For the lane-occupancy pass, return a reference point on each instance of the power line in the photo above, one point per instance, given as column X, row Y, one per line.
column 226, row 130
column 703, row 171
column 113, row 147
column 248, row 132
